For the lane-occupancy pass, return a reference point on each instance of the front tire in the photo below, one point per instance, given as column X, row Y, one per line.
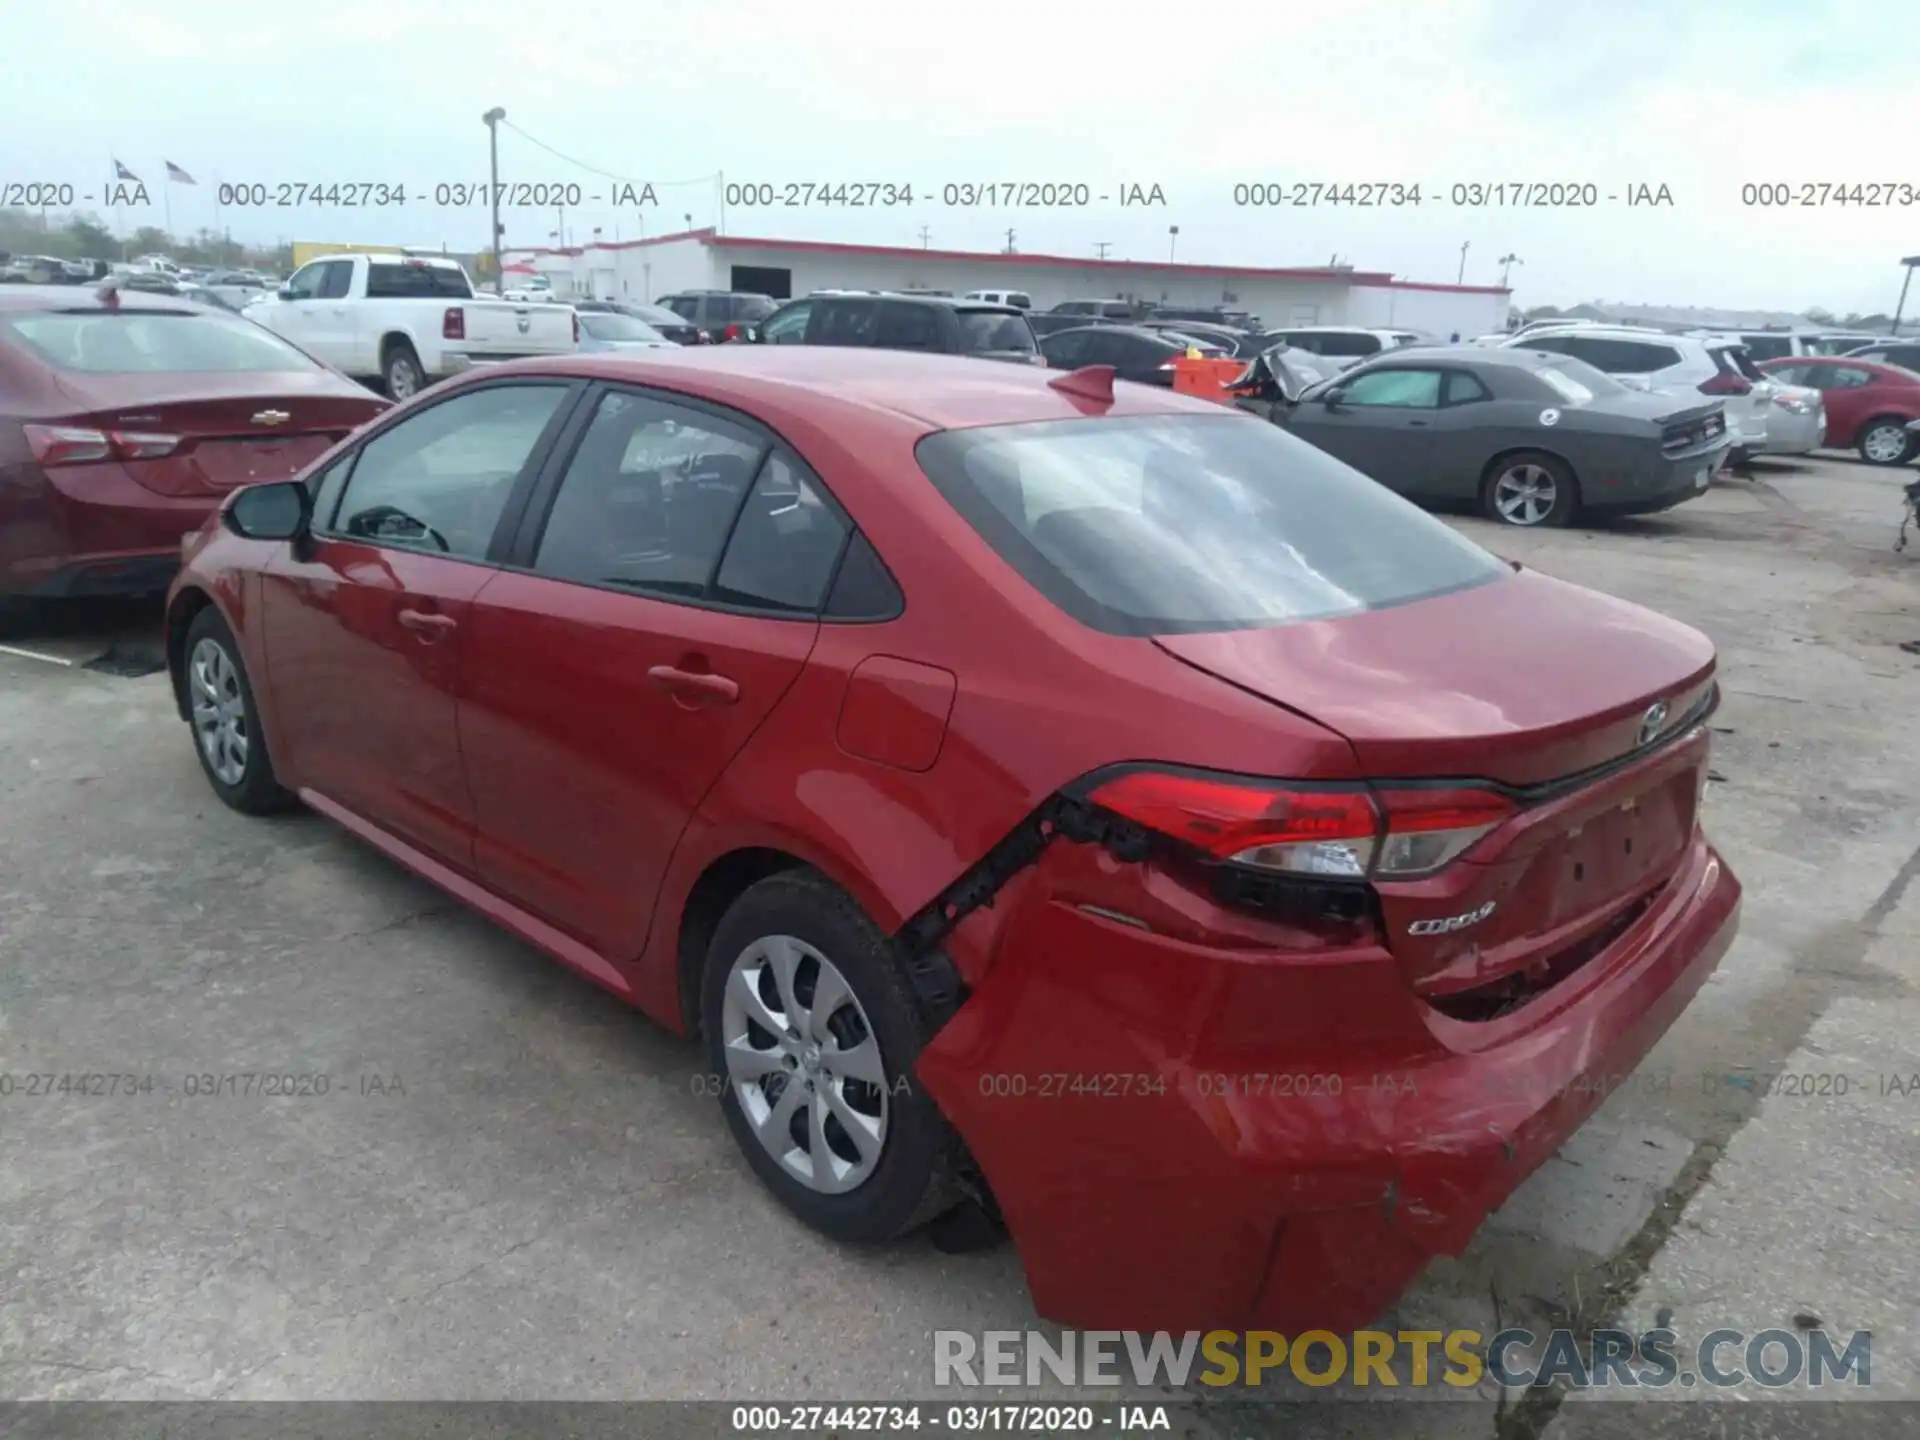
column 811, row 1032
column 1530, row 489
column 1885, row 441
column 227, row 736
column 401, row 373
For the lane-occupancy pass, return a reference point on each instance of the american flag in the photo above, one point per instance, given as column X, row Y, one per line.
column 176, row 175
column 121, row 172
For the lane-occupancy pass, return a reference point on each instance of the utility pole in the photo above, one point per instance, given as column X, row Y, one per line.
column 926, row 237
column 560, row 222
column 1103, row 246
column 493, row 118
column 1507, row 262
column 1462, row 277
column 1173, row 238
column 1900, row 307
column 1009, row 242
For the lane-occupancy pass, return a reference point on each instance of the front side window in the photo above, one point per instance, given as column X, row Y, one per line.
column 1164, row 524
column 1851, row 377
column 648, row 498
column 687, row 307
column 1394, row 389
column 439, row 480
column 336, row 279
column 305, row 284
column 789, row 326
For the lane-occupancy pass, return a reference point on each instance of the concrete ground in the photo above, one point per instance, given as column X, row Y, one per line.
column 512, row 1190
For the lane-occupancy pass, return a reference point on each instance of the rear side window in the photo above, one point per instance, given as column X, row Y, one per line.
column 1768, row 347
column 150, row 342
column 908, row 327
column 784, row 546
column 1342, row 346
column 1168, row 523
column 995, row 330
column 844, row 322
column 749, row 308
column 1619, row 357
column 387, row 281
column 648, row 498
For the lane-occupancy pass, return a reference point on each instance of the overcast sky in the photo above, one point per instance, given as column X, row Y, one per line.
column 1700, row 97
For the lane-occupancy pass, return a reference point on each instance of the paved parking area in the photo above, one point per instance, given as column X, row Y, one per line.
column 510, row 1188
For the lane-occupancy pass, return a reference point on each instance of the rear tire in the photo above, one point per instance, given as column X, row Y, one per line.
column 1530, row 489
column 227, row 737
column 1885, row 440
column 899, row 1173
column 400, row 373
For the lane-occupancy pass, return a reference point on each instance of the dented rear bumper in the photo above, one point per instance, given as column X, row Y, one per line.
column 1183, row 1137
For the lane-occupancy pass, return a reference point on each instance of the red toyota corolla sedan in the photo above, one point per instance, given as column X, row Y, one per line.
column 1075, row 800
column 126, row 417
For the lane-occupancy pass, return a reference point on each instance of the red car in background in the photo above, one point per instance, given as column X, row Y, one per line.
column 125, row 418
column 1868, row 403
column 1067, row 799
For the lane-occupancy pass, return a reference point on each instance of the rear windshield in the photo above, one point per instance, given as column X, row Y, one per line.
column 151, row 341
column 995, row 330
column 406, row 282
column 1164, row 524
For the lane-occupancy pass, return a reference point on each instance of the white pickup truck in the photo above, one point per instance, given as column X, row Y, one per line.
column 406, row 321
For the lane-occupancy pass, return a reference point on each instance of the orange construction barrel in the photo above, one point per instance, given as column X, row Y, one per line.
column 1206, row 378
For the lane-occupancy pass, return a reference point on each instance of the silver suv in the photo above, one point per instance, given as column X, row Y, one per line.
column 1673, row 365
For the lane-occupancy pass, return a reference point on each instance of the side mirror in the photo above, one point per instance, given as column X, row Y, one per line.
column 279, row 511
column 285, row 292
column 1330, row 397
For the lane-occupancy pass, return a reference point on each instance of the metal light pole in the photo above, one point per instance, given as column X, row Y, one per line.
column 493, row 118
column 1507, row 262
column 1173, row 239
column 1103, row 246
column 1900, row 308
column 1461, row 278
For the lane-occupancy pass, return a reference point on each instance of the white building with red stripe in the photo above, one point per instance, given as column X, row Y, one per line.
column 644, row 270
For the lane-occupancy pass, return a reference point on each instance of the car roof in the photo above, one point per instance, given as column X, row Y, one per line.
column 85, row 299
column 952, row 302
column 828, row 384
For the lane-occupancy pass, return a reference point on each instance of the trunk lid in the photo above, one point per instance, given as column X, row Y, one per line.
column 1583, row 707
column 270, row 431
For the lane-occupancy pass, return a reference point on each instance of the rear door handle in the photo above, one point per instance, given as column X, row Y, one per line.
column 422, row 623
column 694, row 684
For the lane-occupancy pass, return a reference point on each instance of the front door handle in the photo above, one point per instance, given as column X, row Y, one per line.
column 428, row 626
column 696, row 685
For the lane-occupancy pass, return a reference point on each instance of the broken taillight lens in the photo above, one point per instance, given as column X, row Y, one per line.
column 1353, row 832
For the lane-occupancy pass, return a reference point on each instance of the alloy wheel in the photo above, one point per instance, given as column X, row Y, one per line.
column 803, row 1064
column 1525, row 494
column 1884, row 444
column 219, row 711
column 403, row 380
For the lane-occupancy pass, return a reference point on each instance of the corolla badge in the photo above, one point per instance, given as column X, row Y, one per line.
column 1452, row 923
column 1654, row 721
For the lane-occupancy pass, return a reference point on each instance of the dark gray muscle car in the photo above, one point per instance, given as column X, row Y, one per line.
column 1529, row 437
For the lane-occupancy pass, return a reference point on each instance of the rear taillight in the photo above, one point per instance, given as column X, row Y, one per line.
column 732, row 332
column 1726, row 385
column 453, row 325
column 1169, row 366
column 70, row 445
column 1329, row 831
column 701, row 337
